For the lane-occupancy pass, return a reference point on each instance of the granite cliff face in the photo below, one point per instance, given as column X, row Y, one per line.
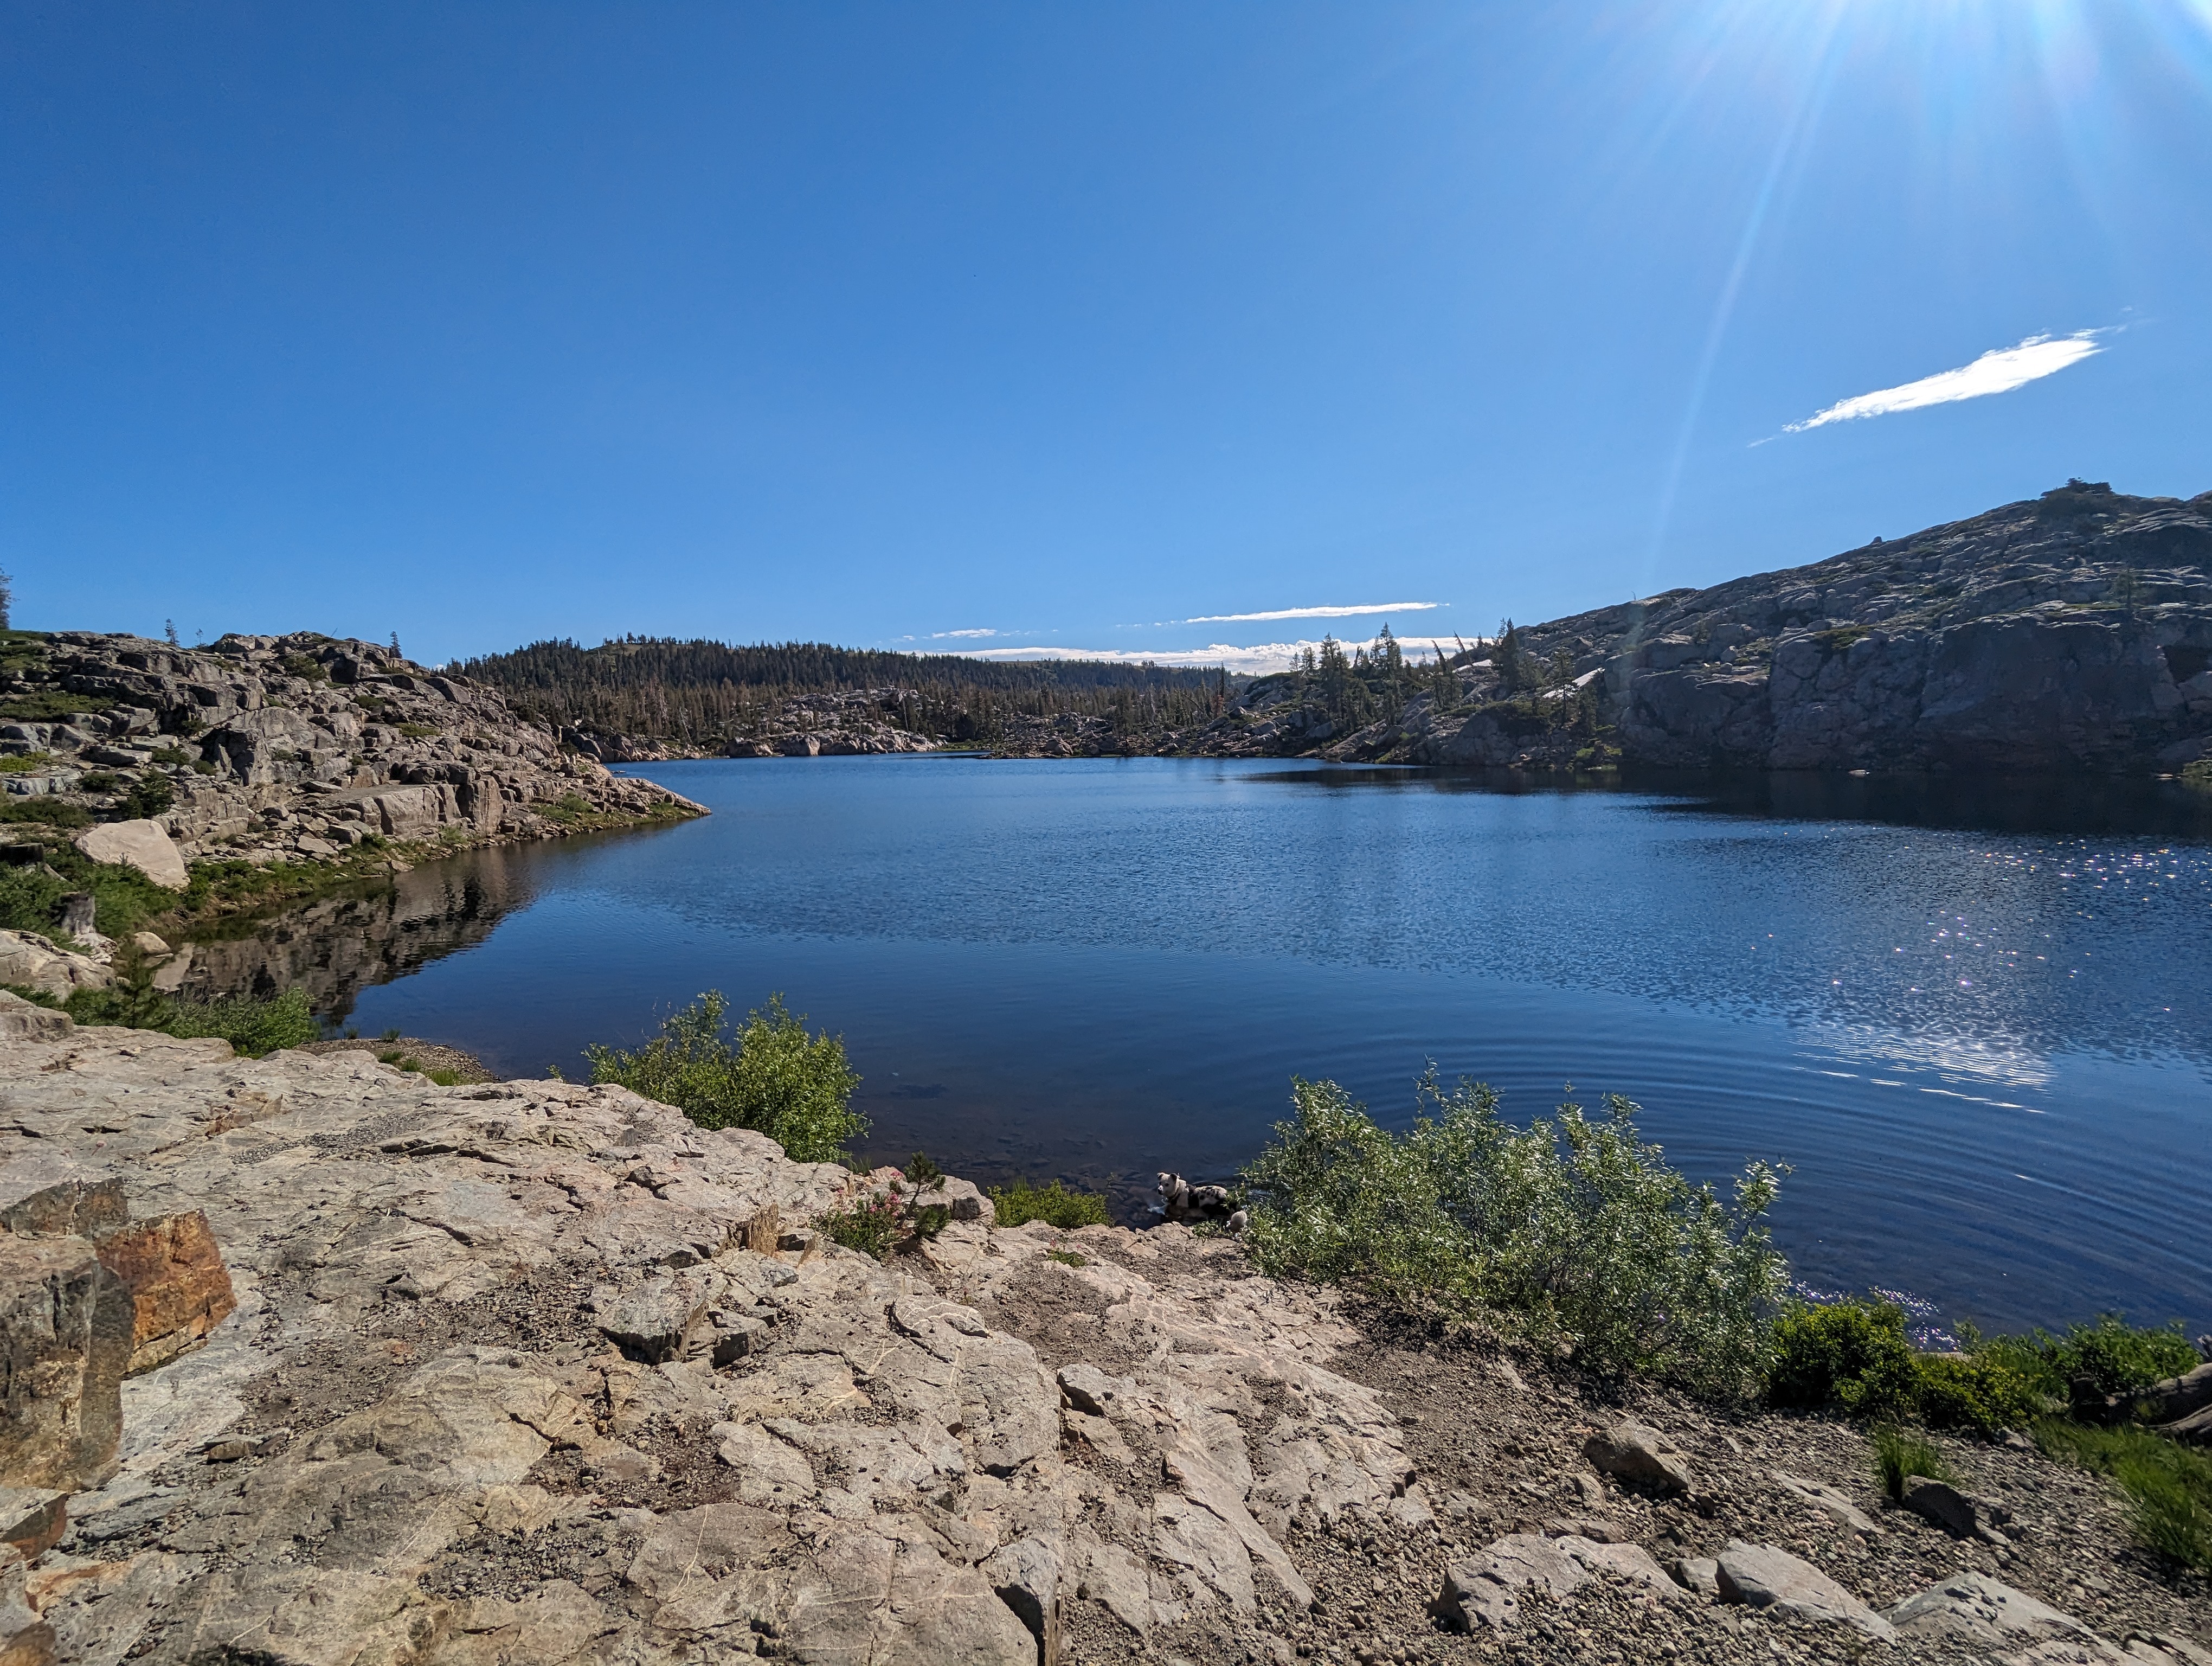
column 2072, row 631
column 282, row 747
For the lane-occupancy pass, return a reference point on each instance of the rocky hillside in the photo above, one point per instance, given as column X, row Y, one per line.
column 284, row 748
column 306, row 1362
column 2073, row 631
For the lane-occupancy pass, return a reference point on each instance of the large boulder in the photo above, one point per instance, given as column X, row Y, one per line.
column 26, row 1020
column 29, row 961
column 1761, row 1577
column 180, row 1288
column 144, row 845
column 1975, row 1609
column 1639, row 1455
column 65, row 1334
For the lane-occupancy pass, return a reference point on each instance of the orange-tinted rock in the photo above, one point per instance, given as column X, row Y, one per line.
column 180, row 1288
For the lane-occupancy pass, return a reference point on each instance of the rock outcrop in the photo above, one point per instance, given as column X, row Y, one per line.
column 502, row 1368
column 2071, row 631
column 532, row 1372
column 291, row 747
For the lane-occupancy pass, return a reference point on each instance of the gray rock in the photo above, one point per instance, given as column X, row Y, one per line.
column 26, row 1020
column 65, row 1326
column 30, row 961
column 1641, row 1456
column 652, row 1322
column 1828, row 1498
column 1974, row 1608
column 1488, row 1590
column 1761, row 1577
column 32, row 1518
column 1965, row 1515
column 1699, row 1575
column 144, row 845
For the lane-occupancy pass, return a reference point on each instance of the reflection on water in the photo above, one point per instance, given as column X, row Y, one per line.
column 335, row 947
column 1986, row 1050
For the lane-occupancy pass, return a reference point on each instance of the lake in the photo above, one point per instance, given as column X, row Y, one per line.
column 1976, row 1022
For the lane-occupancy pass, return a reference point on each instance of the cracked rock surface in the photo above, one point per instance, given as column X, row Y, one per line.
column 503, row 1383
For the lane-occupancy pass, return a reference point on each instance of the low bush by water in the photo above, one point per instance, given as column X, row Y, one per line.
column 250, row 1024
column 2168, row 1487
column 1020, row 1201
column 773, row 1078
column 1573, row 1230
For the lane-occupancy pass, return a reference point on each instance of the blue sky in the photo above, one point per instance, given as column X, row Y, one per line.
column 875, row 324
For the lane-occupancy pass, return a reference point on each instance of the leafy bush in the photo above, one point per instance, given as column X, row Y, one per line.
column 2117, row 1358
column 1897, row 1454
column 1020, row 1201
column 252, row 1025
column 775, row 1078
column 98, row 780
column 1573, row 1229
column 2168, row 1487
column 1855, row 1355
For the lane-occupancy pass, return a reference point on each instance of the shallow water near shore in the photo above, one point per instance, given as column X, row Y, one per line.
column 1978, row 1023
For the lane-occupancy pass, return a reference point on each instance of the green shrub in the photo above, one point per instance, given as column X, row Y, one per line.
column 1897, row 1454
column 50, row 811
column 872, row 1225
column 775, row 1078
column 1020, row 1201
column 124, row 899
column 1855, row 1355
column 2168, row 1487
column 2116, row 1357
column 1974, row 1393
column 1573, row 1229
column 1067, row 1258
column 1852, row 1353
column 253, row 1025
column 151, row 795
column 98, row 780
column 418, row 731
column 21, row 763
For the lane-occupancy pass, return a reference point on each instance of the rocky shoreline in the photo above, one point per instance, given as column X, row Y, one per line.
column 309, row 760
column 312, row 1360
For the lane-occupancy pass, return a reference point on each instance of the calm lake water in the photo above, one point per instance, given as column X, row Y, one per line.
column 1978, row 1025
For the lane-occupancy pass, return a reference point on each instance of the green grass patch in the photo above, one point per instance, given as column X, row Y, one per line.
column 51, row 706
column 419, row 730
column 43, row 812
column 1899, row 1454
column 1572, row 1229
column 252, row 1025
column 1020, row 1201
column 773, row 1077
column 22, row 651
column 2198, row 775
column 1835, row 642
column 2167, row 1486
column 21, row 763
column 2113, row 1357
column 1067, row 1258
column 31, row 892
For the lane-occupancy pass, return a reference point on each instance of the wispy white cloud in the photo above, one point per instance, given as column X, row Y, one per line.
column 1308, row 613
column 940, row 635
column 1997, row 371
column 1257, row 659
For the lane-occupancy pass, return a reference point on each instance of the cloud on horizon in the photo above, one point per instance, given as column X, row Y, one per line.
column 1308, row 613
column 1256, row 660
column 1997, row 371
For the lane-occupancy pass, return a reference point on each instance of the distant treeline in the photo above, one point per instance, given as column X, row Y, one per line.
column 698, row 693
